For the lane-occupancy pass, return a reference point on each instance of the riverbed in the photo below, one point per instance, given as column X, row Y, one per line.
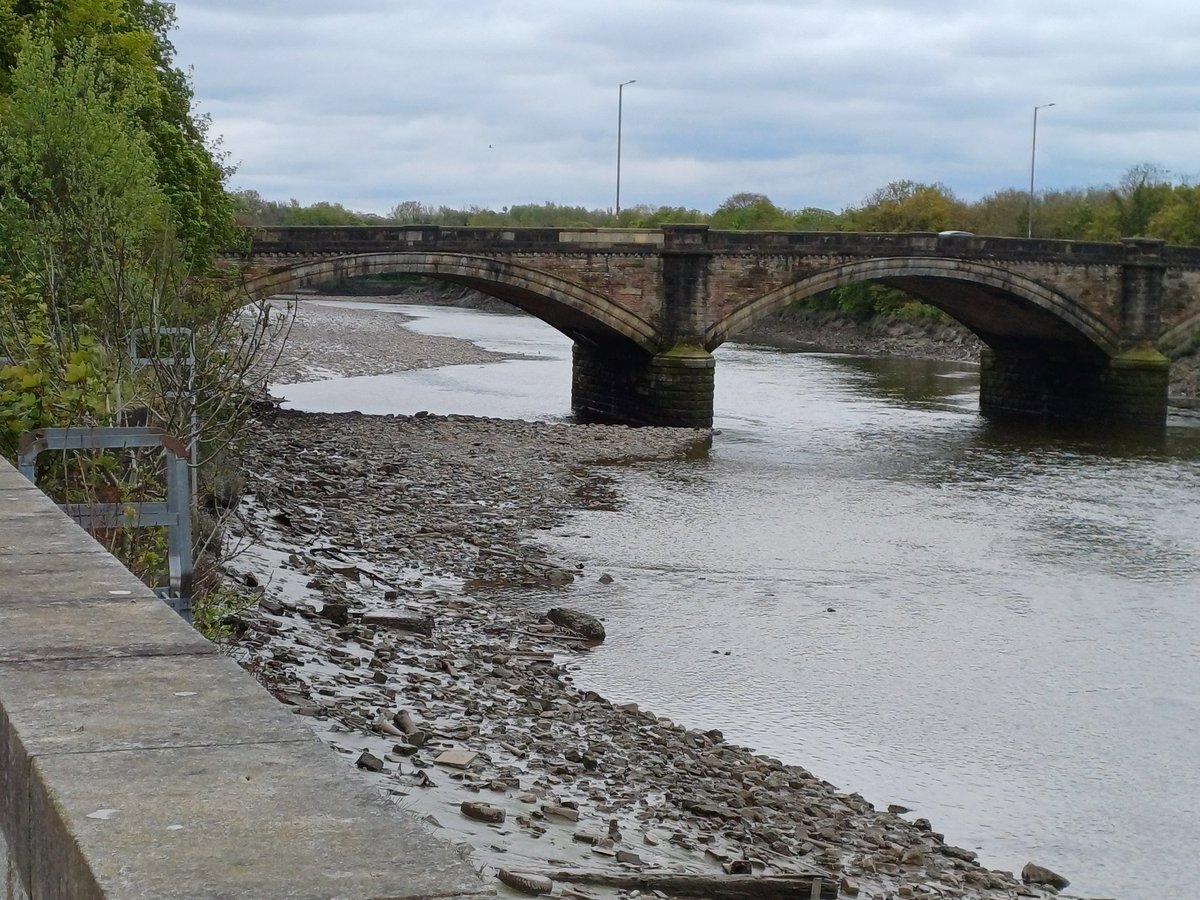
column 992, row 625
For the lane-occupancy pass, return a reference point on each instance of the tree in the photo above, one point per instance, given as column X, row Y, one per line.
column 909, row 206
column 132, row 37
column 750, row 212
column 94, row 254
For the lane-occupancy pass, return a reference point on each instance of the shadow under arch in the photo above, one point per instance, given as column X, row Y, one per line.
column 1001, row 307
column 574, row 310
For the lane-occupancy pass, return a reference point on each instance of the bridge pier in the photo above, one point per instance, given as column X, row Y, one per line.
column 611, row 383
column 1128, row 389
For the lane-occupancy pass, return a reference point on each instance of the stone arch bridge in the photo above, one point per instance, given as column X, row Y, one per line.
column 1073, row 330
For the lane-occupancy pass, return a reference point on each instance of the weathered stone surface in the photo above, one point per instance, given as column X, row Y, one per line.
column 415, row 622
column 1032, row 873
column 369, row 761
column 456, row 759
column 482, row 812
column 581, row 623
column 526, row 883
column 652, row 304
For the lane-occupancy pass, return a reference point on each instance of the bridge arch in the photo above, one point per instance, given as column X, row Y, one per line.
column 1181, row 337
column 998, row 305
column 572, row 309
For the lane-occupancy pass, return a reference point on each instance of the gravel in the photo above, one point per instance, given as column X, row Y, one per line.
column 402, row 611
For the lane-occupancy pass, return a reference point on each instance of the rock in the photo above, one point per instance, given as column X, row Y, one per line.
column 561, row 812
column 457, row 759
column 404, row 721
column 418, row 623
column 337, row 613
column 578, row 621
column 605, row 579
column 482, row 812
column 525, row 883
column 1035, row 874
column 369, row 761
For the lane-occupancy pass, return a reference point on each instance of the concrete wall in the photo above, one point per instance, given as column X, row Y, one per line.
column 138, row 762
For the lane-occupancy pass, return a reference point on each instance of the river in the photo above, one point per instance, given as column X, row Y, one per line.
column 996, row 626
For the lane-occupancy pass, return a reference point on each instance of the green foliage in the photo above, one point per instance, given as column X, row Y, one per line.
column 750, row 212
column 909, row 206
column 48, row 382
column 111, row 208
column 213, row 613
column 131, row 37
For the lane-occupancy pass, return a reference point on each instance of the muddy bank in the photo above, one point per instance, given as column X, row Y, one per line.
column 403, row 612
column 330, row 339
column 402, row 607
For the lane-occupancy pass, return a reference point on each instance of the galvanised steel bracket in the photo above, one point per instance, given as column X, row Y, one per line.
column 175, row 513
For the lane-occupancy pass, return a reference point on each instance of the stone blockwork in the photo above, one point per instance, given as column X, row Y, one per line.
column 673, row 389
column 138, row 762
column 640, row 294
column 1125, row 390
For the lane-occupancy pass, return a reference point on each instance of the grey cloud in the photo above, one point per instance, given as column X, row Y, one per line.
column 814, row 103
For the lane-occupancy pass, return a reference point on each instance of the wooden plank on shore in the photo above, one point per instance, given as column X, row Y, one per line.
column 717, row 887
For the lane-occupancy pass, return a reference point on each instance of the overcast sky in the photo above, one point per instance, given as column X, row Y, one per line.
column 811, row 102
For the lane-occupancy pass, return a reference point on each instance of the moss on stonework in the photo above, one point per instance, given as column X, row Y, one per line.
column 686, row 351
column 1143, row 355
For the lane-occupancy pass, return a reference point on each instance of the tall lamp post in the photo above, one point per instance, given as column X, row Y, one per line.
column 1032, row 163
column 620, row 99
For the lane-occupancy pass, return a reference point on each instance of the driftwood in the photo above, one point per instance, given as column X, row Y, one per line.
column 717, row 887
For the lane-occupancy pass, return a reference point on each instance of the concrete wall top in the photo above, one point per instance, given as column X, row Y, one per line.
column 136, row 761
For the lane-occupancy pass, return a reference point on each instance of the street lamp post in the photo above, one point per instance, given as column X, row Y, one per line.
column 1032, row 163
column 620, row 98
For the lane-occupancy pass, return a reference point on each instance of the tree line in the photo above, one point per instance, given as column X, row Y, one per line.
column 1147, row 202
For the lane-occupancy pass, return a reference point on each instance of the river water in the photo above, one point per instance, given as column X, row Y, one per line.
column 996, row 626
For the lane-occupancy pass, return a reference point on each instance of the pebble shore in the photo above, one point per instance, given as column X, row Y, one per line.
column 404, row 608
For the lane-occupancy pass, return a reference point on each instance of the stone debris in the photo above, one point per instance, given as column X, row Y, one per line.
column 526, row 884
column 457, row 759
column 432, row 517
column 1032, row 873
column 583, row 624
column 482, row 812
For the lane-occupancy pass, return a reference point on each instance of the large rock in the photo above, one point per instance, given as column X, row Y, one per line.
column 1035, row 874
column 405, row 621
column 525, row 882
column 578, row 621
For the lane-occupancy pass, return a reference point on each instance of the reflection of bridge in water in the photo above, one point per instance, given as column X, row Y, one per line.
column 1072, row 330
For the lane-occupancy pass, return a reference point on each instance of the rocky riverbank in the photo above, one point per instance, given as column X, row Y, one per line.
column 405, row 608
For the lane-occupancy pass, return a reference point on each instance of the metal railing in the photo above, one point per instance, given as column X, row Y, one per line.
column 175, row 512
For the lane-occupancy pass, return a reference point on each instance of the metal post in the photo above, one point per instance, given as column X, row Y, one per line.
column 620, row 100
column 1032, row 162
column 175, row 513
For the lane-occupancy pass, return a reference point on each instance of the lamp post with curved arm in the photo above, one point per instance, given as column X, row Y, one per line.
column 620, row 99
column 1032, row 162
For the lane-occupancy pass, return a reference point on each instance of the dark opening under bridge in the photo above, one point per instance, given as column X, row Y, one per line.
column 1073, row 330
